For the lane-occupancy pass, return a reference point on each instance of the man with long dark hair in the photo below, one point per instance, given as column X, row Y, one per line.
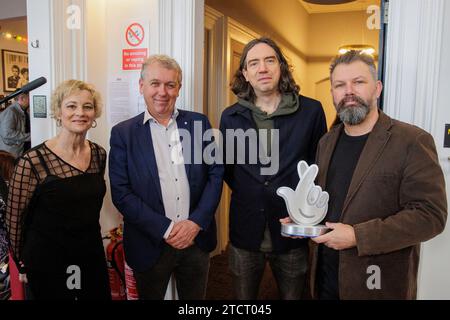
column 283, row 127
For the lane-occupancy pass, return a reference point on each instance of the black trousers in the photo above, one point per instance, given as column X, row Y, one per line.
column 48, row 285
column 190, row 267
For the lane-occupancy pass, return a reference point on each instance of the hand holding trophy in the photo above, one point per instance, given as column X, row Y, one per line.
column 307, row 205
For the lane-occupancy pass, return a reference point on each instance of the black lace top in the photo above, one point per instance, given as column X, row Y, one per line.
column 29, row 173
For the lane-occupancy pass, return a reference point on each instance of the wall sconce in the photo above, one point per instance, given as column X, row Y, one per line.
column 358, row 47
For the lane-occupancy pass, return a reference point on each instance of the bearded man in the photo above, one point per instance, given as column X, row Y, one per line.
column 387, row 193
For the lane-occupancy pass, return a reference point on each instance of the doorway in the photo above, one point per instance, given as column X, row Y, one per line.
column 309, row 35
column 324, row 29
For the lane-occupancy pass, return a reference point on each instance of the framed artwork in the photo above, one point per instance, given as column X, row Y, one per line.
column 15, row 70
column 39, row 106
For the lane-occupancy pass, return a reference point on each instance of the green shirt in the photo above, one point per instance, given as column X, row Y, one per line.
column 289, row 104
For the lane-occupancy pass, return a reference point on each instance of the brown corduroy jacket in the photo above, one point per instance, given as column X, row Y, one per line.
column 395, row 201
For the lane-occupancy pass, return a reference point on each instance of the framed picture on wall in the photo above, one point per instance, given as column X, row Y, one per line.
column 15, row 69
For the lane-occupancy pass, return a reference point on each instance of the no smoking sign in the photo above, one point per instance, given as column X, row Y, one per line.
column 135, row 34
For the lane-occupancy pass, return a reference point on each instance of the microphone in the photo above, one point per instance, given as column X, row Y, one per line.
column 26, row 88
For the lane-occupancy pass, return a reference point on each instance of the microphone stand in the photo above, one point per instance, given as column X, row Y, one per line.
column 25, row 89
column 11, row 96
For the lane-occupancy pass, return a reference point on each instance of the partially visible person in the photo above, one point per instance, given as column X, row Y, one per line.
column 14, row 79
column 4, row 105
column 54, row 202
column 24, row 78
column 268, row 102
column 13, row 126
column 6, row 170
column 5, row 290
column 167, row 196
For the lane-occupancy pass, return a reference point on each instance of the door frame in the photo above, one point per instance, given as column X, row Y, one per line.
column 384, row 9
column 222, row 30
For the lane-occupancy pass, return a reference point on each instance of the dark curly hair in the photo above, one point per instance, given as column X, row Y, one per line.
column 244, row 90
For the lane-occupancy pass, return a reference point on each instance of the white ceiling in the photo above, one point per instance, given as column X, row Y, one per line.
column 358, row 5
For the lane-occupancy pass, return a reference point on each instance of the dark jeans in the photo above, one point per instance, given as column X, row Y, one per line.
column 190, row 267
column 247, row 269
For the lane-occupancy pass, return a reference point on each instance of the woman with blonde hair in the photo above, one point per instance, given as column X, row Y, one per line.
column 54, row 203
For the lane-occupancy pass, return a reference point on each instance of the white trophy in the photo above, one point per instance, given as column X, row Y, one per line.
column 307, row 205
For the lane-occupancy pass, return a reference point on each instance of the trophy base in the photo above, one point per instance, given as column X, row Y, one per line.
column 298, row 230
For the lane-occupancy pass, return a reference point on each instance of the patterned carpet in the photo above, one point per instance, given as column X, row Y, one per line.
column 220, row 286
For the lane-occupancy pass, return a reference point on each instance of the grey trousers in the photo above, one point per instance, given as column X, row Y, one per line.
column 289, row 270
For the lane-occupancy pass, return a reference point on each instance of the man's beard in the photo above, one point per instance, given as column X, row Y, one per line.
column 353, row 114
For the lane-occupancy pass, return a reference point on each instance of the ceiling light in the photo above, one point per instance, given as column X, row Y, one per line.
column 366, row 49
column 326, row 2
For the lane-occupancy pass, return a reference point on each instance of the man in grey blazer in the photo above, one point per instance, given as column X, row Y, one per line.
column 13, row 133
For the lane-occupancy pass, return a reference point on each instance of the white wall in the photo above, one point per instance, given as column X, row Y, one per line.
column 39, row 59
column 417, row 91
column 434, row 281
column 105, row 29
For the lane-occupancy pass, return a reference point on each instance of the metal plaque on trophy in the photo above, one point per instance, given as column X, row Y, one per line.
column 307, row 205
